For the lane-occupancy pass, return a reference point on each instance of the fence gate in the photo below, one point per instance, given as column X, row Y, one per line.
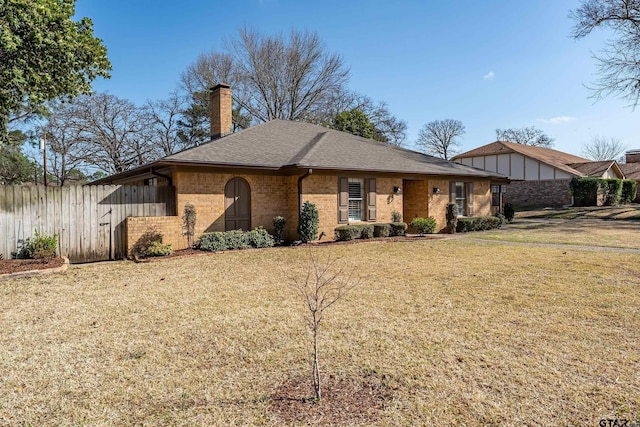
column 89, row 220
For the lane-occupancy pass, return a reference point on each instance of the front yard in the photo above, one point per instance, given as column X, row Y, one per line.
column 613, row 227
column 454, row 332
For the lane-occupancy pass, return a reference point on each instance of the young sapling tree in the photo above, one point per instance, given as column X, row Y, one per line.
column 324, row 283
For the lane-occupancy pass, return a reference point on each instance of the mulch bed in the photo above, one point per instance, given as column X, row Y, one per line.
column 17, row 265
column 344, row 401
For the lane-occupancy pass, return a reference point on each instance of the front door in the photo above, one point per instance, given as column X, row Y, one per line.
column 237, row 205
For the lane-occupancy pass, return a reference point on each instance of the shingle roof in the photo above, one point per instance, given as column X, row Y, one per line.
column 281, row 143
column 593, row 168
column 555, row 158
column 631, row 170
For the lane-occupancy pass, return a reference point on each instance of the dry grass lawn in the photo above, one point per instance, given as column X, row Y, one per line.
column 457, row 332
column 607, row 227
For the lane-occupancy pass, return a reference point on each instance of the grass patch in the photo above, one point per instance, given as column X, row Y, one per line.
column 456, row 332
column 629, row 212
column 581, row 232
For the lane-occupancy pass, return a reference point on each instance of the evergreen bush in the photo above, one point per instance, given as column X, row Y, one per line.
column 452, row 217
column 309, row 222
column 424, row 225
column 629, row 191
column 398, row 228
column 509, row 212
column 39, row 247
column 278, row 228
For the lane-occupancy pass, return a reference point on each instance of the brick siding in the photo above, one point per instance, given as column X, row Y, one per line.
column 273, row 195
column 548, row 193
column 169, row 226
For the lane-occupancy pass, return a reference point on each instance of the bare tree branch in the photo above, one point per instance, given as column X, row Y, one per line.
column 619, row 62
column 602, row 148
column 440, row 137
column 525, row 136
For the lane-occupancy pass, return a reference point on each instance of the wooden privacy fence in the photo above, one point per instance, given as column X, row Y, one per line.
column 89, row 220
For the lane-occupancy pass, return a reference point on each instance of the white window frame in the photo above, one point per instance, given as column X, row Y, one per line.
column 462, row 209
column 356, row 200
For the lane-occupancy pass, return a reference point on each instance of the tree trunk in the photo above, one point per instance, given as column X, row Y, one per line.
column 316, row 364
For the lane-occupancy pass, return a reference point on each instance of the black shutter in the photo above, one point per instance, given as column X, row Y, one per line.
column 371, row 199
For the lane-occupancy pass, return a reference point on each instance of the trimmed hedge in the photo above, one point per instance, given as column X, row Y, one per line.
column 398, row 228
column 477, row 223
column 585, row 191
column 367, row 231
column 629, row 190
column 354, row 231
column 235, row 239
column 612, row 191
column 381, row 230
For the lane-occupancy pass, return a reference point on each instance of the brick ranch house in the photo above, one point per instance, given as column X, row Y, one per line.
column 243, row 180
column 540, row 176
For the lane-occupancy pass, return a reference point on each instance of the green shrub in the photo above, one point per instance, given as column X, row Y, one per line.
column 39, row 247
column 141, row 247
column 584, row 191
column 477, row 223
column 398, row 228
column 278, row 228
column 236, row 239
column 611, row 190
column 348, row 232
column 211, row 242
column 260, row 238
column 452, row 217
column 158, row 249
column 509, row 212
column 502, row 218
column 424, row 225
column 396, row 216
column 629, row 190
column 366, row 231
column 309, row 222
column 381, row 230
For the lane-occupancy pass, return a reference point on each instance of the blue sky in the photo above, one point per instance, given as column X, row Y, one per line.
column 490, row 64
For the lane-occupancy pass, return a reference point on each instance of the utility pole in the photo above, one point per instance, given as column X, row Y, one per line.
column 43, row 147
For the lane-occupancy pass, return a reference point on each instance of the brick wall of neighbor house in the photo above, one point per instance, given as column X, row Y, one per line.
column 322, row 190
column 169, row 226
column 538, row 193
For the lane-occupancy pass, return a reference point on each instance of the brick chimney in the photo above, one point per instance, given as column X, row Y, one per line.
column 220, row 110
column 633, row 156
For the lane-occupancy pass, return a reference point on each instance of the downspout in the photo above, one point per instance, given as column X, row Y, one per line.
column 300, row 179
column 167, row 177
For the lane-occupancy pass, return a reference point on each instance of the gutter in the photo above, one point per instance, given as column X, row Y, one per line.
column 300, row 179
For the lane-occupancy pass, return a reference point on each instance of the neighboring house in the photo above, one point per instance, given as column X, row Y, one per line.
column 631, row 168
column 244, row 179
column 540, row 176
